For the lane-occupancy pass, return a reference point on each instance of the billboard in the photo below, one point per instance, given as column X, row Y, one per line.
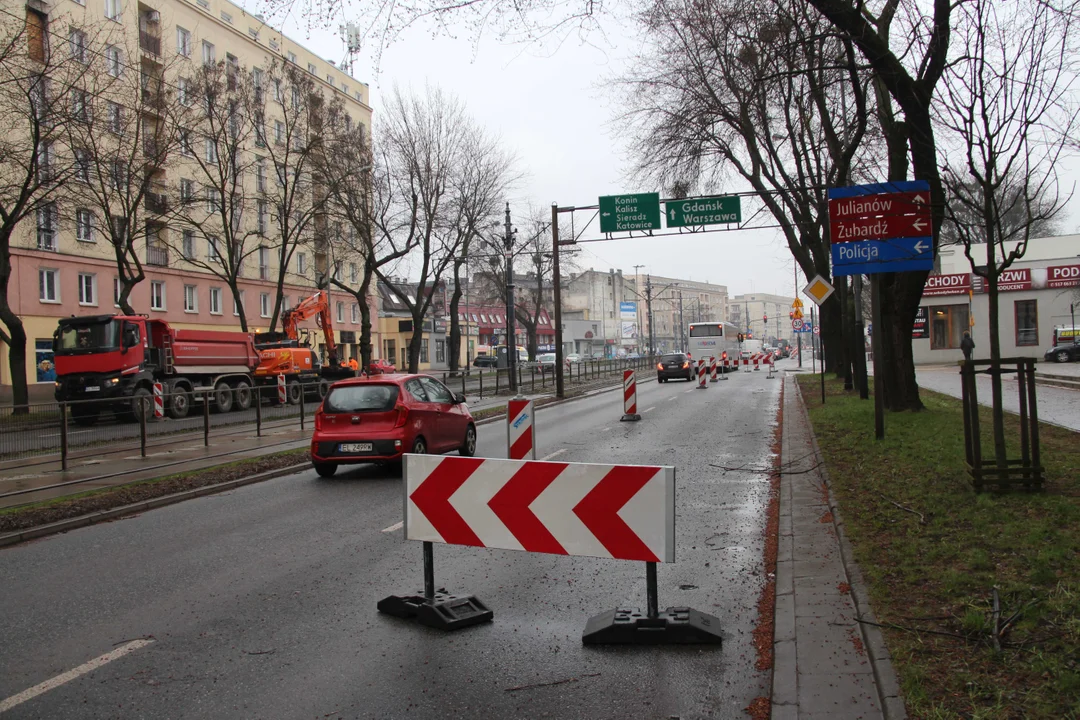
column 628, row 316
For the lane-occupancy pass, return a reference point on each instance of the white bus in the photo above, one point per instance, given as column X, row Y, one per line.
column 714, row 339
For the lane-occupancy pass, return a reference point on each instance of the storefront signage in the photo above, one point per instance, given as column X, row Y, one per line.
column 1062, row 276
column 952, row 284
column 921, row 329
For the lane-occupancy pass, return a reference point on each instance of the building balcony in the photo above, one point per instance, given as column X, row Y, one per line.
column 150, row 42
column 157, row 203
column 157, row 255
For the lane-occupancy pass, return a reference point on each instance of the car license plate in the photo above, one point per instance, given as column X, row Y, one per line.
column 93, row 388
column 355, row 447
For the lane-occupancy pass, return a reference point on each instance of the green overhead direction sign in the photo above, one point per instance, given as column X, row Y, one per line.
column 620, row 213
column 704, row 211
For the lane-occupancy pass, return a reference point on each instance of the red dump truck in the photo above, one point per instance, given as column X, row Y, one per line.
column 118, row 358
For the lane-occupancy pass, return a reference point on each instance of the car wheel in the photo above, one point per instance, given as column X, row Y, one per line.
column 419, row 446
column 1062, row 356
column 325, row 469
column 468, row 448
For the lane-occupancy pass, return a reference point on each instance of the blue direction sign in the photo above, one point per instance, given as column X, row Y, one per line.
column 806, row 328
column 896, row 208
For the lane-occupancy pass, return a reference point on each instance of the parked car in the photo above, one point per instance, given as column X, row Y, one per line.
column 381, row 367
column 485, row 361
column 379, row 419
column 674, row 365
column 545, row 362
column 573, row 358
column 1064, row 352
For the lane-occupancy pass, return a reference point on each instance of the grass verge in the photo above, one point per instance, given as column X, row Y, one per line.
column 48, row 511
column 933, row 551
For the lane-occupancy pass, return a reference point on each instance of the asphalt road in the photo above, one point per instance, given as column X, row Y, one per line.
column 261, row 602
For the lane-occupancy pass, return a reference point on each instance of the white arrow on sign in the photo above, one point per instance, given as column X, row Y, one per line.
column 607, row 214
column 920, row 247
column 918, row 224
column 672, row 211
column 919, row 199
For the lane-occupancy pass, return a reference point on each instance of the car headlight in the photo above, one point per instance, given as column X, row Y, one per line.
column 114, row 381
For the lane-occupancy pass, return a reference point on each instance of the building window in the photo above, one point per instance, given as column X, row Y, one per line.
column 210, row 146
column 330, row 79
column 264, row 263
column 183, row 42
column 226, row 17
column 260, row 174
column 157, row 295
column 82, row 165
column 1027, row 322
column 312, row 69
column 279, row 132
column 77, row 45
column 112, row 9
column 191, row 299
column 423, row 350
column 209, row 56
column 440, row 351
column 355, row 313
column 187, row 191
column 354, row 273
column 84, row 225
column 49, row 285
column 116, row 291
column 119, row 175
column 263, row 217
column 212, row 199
column 46, row 227
column 114, row 118
column 87, row 289
column 948, row 324
column 215, row 301
column 114, row 61
column 212, row 248
column 185, row 143
column 337, row 270
column 292, row 57
column 237, row 304
column 183, row 91
column 187, row 245
column 341, row 312
column 264, row 304
column 301, row 263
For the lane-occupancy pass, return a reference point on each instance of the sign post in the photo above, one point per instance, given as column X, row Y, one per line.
column 629, row 386
column 819, row 289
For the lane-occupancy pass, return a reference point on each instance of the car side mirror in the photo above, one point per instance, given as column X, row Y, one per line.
column 459, row 397
column 130, row 339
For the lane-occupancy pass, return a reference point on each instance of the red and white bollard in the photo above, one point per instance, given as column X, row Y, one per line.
column 159, row 401
column 712, row 369
column 281, row 398
column 771, row 362
column 701, row 376
column 520, row 430
column 746, row 364
column 727, row 367
column 629, row 391
column 756, row 359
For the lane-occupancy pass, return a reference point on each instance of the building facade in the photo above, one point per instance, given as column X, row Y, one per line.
column 675, row 304
column 608, row 301
column 764, row 316
column 1038, row 294
column 64, row 257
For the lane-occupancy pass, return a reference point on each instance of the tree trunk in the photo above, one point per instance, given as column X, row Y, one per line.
column 831, row 338
column 901, row 294
column 842, row 294
column 1000, row 456
column 414, row 344
column 126, row 286
column 16, row 355
column 453, row 343
column 365, row 321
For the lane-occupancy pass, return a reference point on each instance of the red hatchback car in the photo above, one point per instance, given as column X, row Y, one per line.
column 380, row 418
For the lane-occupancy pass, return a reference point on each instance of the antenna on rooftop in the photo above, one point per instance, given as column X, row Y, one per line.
column 350, row 33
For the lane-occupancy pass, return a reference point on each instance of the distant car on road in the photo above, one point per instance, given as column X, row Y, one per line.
column 379, row 419
column 381, row 367
column 674, row 365
column 485, row 361
column 545, row 362
column 1065, row 352
column 573, row 358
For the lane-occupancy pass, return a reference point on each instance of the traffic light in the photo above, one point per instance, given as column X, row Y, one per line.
column 765, row 318
column 740, row 337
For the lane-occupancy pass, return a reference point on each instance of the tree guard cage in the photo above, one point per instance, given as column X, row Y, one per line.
column 1027, row 470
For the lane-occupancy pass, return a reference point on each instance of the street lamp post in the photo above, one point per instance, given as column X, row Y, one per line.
column 511, row 338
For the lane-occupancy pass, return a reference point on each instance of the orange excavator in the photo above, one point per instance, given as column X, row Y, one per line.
column 283, row 353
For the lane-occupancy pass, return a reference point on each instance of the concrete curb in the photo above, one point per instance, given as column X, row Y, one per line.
column 118, row 512
column 888, row 686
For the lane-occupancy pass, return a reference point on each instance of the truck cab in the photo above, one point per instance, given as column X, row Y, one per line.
column 99, row 356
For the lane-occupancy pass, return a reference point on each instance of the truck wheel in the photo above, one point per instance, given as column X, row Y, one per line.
column 142, row 401
column 324, row 387
column 242, row 394
column 84, row 415
column 179, row 403
column 293, row 391
column 223, row 397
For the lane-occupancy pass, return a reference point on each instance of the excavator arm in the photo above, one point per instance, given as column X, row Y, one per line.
column 317, row 306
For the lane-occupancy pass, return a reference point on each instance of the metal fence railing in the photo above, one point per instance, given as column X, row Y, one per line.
column 83, row 428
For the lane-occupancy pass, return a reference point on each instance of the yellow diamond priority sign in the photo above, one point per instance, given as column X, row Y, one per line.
column 819, row 290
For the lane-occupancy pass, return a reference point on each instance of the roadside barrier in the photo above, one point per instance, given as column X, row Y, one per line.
column 520, row 430
column 727, row 368
column 546, row 507
column 281, row 397
column 771, row 362
column 702, row 385
column 756, row 359
column 159, row 401
column 746, row 364
column 629, row 389
column 712, row 368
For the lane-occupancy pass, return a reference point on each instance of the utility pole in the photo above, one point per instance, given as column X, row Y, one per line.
column 556, row 287
column 511, row 325
column 682, row 324
column 637, row 284
column 648, row 310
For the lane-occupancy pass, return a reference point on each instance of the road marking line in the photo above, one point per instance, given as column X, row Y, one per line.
column 648, row 409
column 672, row 399
column 690, row 390
column 604, row 429
column 70, row 675
column 554, row 454
column 396, row 526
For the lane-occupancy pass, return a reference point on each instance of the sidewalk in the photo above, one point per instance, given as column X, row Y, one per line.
column 826, row 664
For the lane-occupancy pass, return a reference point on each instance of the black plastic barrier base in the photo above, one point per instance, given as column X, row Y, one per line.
column 630, row 417
column 443, row 611
column 674, row 626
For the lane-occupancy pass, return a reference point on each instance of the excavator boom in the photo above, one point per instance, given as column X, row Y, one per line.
column 318, row 306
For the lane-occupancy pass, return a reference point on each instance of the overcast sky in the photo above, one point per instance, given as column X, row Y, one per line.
column 553, row 108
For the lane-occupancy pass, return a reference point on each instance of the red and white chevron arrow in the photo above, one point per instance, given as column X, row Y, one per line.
column 625, row 512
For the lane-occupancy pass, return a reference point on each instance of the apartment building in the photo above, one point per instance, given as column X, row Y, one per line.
column 750, row 310
column 675, row 304
column 64, row 259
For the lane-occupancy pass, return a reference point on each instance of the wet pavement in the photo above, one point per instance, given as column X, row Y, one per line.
column 260, row 602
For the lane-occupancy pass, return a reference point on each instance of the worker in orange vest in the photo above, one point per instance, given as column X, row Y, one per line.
column 353, row 365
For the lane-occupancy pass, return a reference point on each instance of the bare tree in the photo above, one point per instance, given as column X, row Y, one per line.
column 424, row 143
column 215, row 204
column 36, row 77
column 1008, row 114
column 294, row 112
column 123, row 131
column 764, row 91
